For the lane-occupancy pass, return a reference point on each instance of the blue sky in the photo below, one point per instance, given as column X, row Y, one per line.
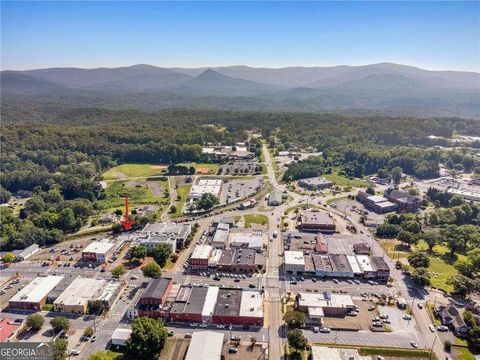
column 432, row 35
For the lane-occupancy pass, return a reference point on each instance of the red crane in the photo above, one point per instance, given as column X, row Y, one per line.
column 127, row 223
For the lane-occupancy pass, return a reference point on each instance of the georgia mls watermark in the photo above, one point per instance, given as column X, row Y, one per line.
column 26, row 351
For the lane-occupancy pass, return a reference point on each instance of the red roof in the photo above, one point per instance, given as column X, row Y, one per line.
column 7, row 328
column 321, row 248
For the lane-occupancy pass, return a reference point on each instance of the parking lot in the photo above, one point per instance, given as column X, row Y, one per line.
column 251, row 281
column 233, row 189
column 242, row 168
column 360, row 322
column 10, row 288
column 397, row 322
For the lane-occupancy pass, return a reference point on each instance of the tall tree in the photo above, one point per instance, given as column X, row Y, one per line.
column 147, row 339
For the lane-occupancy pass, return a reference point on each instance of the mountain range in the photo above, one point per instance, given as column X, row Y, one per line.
column 385, row 88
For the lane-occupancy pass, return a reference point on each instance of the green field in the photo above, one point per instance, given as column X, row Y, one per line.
column 344, row 181
column 133, row 170
column 203, row 168
column 255, row 219
column 183, row 191
column 137, row 195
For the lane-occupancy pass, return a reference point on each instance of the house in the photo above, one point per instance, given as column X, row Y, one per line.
column 405, row 201
column 452, row 317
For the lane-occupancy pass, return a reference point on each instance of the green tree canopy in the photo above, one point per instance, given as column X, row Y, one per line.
column 419, row 259
column 297, row 340
column 161, row 253
column 147, row 339
column 35, row 322
column 60, row 323
column 152, row 270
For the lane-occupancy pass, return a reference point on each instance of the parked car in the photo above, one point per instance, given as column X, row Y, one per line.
column 442, row 328
column 325, row 330
column 431, row 327
column 407, row 317
column 315, row 329
column 94, row 338
column 414, row 344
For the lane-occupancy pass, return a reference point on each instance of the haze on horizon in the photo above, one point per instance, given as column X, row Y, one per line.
column 429, row 35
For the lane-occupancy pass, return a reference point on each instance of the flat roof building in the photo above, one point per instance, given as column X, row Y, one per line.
column 172, row 231
column 27, row 252
column 98, row 251
column 294, row 262
column 205, row 345
column 318, row 305
column 252, row 239
column 201, row 256
column 315, row 183
column 366, row 266
column 315, row 220
column 34, row 295
column 205, row 186
column 77, row 295
column 120, row 336
column 340, row 265
column 274, row 198
column 220, row 238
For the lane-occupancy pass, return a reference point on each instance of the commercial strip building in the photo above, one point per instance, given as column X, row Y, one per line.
column 315, row 183
column 200, row 257
column 250, row 238
column 206, row 345
column 34, row 295
column 120, row 336
column 98, row 251
column 219, row 306
column 153, row 301
column 378, row 204
column 82, row 291
column 467, row 195
column 171, row 233
column 335, row 265
column 240, row 260
column 317, row 221
column 27, row 252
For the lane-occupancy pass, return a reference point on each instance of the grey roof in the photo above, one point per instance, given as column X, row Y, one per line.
column 378, row 263
column 239, row 256
column 156, row 288
column 340, row 262
column 228, row 302
column 317, row 217
column 190, row 300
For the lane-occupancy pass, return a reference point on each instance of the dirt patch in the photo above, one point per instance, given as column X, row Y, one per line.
column 159, row 167
column 119, row 175
column 155, row 186
column 246, row 352
column 174, row 349
column 201, row 170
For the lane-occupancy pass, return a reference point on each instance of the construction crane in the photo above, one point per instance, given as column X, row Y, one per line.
column 127, row 223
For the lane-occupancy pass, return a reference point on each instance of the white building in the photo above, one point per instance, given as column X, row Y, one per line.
column 34, row 295
column 150, row 242
column 98, row 251
column 366, row 266
column 120, row 336
column 74, row 299
column 467, row 195
column 294, row 262
column 205, row 345
column 220, row 238
column 27, row 252
column 324, row 353
column 248, row 240
column 205, row 186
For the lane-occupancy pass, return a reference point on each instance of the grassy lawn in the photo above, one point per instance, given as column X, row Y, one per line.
column 183, row 191
column 444, row 270
column 255, row 219
column 47, row 307
column 133, row 170
column 344, row 181
column 463, row 353
column 203, row 168
column 431, row 309
column 118, row 190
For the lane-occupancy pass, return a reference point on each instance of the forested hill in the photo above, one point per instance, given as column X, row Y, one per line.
column 381, row 89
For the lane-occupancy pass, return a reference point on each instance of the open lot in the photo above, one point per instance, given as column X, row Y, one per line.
column 202, row 168
column 396, row 318
column 133, row 170
column 246, row 352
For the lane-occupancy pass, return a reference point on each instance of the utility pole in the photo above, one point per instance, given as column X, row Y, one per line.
column 431, row 349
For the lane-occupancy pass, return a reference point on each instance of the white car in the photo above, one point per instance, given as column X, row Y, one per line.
column 431, row 327
column 407, row 317
column 325, row 330
column 442, row 328
column 75, row 352
column 414, row 344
